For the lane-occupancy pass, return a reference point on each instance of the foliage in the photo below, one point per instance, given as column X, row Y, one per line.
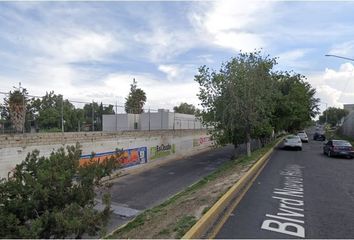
column 334, row 115
column 15, row 108
column 183, row 225
column 246, row 99
column 53, row 197
column 99, row 110
column 135, row 100
column 45, row 114
column 296, row 104
column 191, row 193
column 237, row 100
column 186, row 109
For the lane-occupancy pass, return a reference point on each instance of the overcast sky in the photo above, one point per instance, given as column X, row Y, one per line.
column 92, row 50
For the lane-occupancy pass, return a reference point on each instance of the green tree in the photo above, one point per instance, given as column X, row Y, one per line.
column 296, row 104
column 53, row 197
column 238, row 100
column 334, row 115
column 135, row 100
column 46, row 113
column 186, row 109
column 15, row 108
column 99, row 110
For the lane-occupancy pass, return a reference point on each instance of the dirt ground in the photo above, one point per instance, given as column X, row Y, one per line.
column 176, row 216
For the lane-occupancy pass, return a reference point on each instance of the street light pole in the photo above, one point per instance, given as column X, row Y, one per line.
column 326, row 112
column 331, row 55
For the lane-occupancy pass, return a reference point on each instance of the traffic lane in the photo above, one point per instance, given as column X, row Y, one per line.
column 246, row 220
column 151, row 187
column 330, row 203
column 327, row 210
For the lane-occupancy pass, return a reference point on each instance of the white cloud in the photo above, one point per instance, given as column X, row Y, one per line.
column 160, row 94
column 292, row 55
column 343, row 49
column 230, row 24
column 77, row 45
column 171, row 71
column 334, row 87
column 294, row 58
column 164, row 43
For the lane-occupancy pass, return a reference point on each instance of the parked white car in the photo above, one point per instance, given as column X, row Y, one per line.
column 303, row 136
column 292, row 141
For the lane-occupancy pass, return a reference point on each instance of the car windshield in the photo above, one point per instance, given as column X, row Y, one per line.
column 341, row 143
column 292, row 137
column 301, row 134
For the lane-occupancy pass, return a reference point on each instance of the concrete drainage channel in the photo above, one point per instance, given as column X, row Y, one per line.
column 211, row 222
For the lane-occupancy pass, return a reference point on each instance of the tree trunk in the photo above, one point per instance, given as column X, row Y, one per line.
column 248, row 144
column 235, row 151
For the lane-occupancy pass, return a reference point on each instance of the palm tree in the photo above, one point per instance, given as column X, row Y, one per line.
column 16, row 104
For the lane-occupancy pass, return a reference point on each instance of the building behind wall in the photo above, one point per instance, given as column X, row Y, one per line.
column 120, row 122
column 347, row 127
column 160, row 120
column 349, row 107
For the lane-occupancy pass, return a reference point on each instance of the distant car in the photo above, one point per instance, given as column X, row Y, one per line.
column 303, row 136
column 292, row 141
column 338, row 148
column 319, row 136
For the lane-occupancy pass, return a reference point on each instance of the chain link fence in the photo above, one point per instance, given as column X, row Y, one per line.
column 54, row 114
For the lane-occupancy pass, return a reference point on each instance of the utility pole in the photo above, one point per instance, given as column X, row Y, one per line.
column 93, row 117
column 149, row 119
column 62, row 113
column 326, row 112
column 116, row 116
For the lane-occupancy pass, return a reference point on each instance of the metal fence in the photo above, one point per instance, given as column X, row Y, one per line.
column 66, row 115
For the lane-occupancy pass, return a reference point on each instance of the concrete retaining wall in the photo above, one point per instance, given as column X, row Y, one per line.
column 14, row 148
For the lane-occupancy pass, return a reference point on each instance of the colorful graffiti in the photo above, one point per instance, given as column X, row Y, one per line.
column 129, row 157
column 201, row 140
column 162, row 151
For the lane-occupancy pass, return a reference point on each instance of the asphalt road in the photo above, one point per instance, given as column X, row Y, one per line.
column 298, row 194
column 134, row 193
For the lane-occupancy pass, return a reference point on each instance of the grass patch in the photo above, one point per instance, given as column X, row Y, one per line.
column 205, row 210
column 182, row 225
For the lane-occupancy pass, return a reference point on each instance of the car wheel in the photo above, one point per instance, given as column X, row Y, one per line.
column 300, row 148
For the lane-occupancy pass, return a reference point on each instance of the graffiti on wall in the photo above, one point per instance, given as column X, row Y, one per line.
column 129, row 157
column 202, row 140
column 162, row 151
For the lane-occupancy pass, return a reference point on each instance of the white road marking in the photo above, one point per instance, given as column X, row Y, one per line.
column 290, row 209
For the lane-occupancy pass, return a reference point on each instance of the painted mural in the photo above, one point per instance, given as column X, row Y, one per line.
column 162, row 151
column 129, row 157
column 202, row 140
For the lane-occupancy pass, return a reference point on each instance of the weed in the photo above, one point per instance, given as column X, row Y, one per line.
column 183, row 225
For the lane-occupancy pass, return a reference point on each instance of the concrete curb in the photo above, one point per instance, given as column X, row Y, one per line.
column 203, row 228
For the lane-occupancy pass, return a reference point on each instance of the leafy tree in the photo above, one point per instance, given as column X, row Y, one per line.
column 99, row 110
column 46, row 113
column 53, row 197
column 334, row 115
column 296, row 104
column 15, row 108
column 135, row 100
column 186, row 109
column 238, row 100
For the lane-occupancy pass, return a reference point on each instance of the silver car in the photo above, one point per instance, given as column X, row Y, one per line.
column 292, row 141
column 303, row 136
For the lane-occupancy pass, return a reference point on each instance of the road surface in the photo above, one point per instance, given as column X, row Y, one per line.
column 298, row 194
column 135, row 193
